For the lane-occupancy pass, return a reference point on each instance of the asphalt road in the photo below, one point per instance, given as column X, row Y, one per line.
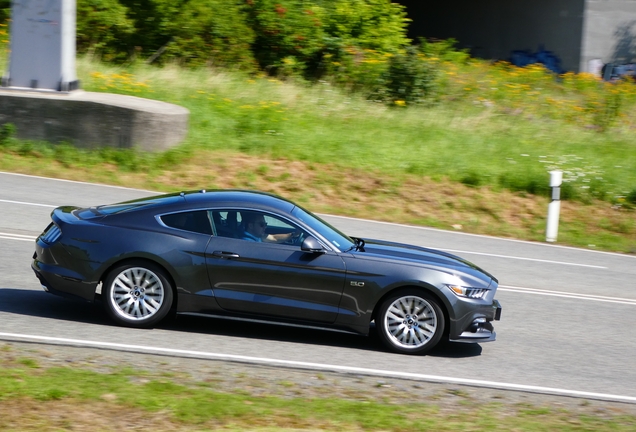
column 566, row 327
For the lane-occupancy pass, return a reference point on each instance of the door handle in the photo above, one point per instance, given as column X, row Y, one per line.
column 224, row 254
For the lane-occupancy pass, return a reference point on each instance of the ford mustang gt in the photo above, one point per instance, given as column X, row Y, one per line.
column 254, row 255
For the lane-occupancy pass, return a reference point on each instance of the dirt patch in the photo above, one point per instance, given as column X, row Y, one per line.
column 407, row 199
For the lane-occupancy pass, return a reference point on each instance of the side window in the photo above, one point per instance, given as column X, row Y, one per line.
column 195, row 221
column 255, row 226
column 226, row 223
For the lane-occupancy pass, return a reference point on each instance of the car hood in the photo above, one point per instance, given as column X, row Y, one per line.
column 410, row 254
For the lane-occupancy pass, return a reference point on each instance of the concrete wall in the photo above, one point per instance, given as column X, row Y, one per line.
column 91, row 120
column 609, row 33
column 492, row 29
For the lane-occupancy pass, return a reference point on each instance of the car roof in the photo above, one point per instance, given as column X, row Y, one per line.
column 233, row 198
column 188, row 200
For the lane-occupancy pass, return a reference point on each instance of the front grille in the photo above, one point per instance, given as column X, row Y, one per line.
column 51, row 234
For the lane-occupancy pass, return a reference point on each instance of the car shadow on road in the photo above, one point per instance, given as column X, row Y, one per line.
column 304, row 335
column 41, row 304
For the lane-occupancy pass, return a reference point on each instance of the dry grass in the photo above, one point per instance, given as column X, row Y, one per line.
column 359, row 193
column 26, row 414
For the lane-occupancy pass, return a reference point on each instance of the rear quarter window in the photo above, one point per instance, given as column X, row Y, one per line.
column 193, row 221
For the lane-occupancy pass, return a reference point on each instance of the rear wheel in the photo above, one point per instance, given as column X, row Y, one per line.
column 137, row 294
column 410, row 322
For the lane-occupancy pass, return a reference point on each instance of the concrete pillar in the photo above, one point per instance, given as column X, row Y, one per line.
column 42, row 46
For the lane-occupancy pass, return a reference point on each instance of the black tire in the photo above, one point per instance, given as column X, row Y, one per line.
column 137, row 294
column 410, row 322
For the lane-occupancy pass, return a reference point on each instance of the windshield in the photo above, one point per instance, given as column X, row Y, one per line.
column 335, row 237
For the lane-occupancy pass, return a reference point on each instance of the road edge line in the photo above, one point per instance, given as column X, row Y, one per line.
column 140, row 349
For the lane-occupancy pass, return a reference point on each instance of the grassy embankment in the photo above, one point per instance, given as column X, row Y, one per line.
column 475, row 161
column 94, row 393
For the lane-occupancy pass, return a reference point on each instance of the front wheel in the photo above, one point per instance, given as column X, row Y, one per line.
column 137, row 295
column 410, row 322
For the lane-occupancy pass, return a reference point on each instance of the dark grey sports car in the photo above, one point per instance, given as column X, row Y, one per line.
column 252, row 254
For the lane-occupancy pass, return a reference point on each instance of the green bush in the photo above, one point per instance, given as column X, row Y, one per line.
column 605, row 110
column 211, row 32
column 194, row 32
column 471, row 178
column 369, row 24
column 5, row 10
column 103, row 28
column 7, row 133
column 354, row 68
column 409, row 79
column 288, row 34
column 282, row 37
column 526, row 181
column 360, row 35
column 154, row 25
column 444, row 50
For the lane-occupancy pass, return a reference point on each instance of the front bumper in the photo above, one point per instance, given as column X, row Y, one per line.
column 481, row 328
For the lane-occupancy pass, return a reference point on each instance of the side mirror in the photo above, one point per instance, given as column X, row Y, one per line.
column 310, row 244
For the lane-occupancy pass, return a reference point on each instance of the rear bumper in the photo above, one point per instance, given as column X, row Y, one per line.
column 62, row 282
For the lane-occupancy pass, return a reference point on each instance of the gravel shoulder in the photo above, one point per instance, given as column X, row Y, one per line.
column 234, row 377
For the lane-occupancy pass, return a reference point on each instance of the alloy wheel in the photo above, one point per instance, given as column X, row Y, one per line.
column 137, row 293
column 410, row 322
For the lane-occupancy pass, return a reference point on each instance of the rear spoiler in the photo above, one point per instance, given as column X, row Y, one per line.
column 63, row 215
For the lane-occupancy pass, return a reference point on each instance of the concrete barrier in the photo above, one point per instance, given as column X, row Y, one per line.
column 90, row 120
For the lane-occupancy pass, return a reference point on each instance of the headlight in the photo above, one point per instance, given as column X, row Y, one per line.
column 473, row 293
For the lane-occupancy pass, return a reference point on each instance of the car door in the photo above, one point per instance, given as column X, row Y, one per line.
column 273, row 279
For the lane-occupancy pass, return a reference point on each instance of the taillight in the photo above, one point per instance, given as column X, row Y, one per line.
column 51, row 234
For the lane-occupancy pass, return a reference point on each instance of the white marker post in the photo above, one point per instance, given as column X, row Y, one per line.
column 554, row 208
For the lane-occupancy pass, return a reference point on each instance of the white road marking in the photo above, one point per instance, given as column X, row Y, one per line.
column 76, row 181
column 30, row 237
column 503, row 239
column 564, row 294
column 20, row 237
column 27, row 203
column 319, row 367
column 522, row 258
column 13, row 238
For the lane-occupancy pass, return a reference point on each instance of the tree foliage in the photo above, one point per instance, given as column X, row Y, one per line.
column 360, row 44
column 288, row 34
column 372, row 24
column 103, row 27
column 282, row 37
column 211, row 32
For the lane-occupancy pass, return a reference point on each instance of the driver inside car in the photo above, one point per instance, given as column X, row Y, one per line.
column 255, row 228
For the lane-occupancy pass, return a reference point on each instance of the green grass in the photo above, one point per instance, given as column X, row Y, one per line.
column 320, row 125
column 148, row 395
column 339, row 136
